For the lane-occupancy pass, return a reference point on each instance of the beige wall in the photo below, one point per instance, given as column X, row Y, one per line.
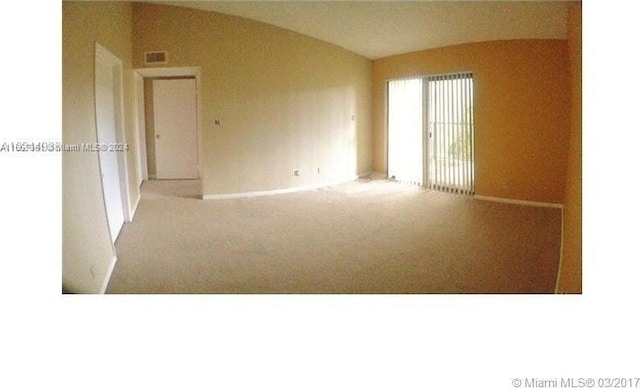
column 521, row 93
column 570, row 279
column 86, row 245
column 285, row 101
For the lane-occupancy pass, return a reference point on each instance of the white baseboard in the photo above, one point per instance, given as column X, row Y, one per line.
column 107, row 277
column 289, row 190
column 518, row 201
column 368, row 173
column 555, row 291
column 132, row 212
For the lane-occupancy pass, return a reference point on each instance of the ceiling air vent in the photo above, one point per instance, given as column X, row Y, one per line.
column 155, row 57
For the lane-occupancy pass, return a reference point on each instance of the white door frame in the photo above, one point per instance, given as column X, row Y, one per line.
column 139, row 119
column 105, row 56
column 190, row 71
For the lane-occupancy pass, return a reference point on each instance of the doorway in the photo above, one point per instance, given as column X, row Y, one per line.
column 179, row 148
column 110, row 133
column 172, row 136
column 430, row 132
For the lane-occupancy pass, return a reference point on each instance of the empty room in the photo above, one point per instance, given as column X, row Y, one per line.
column 322, row 147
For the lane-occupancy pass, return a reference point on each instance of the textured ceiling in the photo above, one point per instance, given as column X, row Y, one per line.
column 383, row 28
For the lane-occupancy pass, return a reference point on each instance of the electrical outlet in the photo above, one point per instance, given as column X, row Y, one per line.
column 296, row 172
column 318, row 170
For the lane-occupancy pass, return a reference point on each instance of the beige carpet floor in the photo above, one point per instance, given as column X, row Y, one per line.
column 370, row 236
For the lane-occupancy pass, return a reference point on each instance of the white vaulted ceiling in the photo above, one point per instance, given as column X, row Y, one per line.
column 382, row 28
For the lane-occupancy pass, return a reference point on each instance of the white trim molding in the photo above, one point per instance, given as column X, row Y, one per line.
column 288, row 190
column 186, row 71
column 261, row 193
column 556, row 290
column 518, row 201
column 133, row 210
column 369, row 173
column 140, row 126
column 107, row 277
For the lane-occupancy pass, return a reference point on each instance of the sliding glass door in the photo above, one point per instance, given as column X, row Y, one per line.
column 450, row 131
column 430, row 132
column 406, row 126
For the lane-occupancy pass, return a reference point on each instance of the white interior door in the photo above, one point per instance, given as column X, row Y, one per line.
column 175, row 125
column 106, row 105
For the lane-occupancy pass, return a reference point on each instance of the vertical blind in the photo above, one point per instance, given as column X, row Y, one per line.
column 450, row 128
column 430, row 132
